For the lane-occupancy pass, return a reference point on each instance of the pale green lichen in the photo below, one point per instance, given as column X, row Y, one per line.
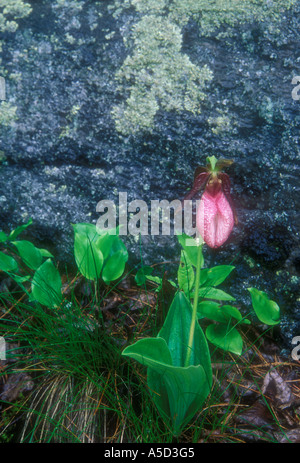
column 7, row 113
column 72, row 118
column 211, row 14
column 157, row 75
column 72, row 6
column 162, row 76
column 220, row 124
column 10, row 12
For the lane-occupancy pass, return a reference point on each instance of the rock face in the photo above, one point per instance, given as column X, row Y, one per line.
column 64, row 147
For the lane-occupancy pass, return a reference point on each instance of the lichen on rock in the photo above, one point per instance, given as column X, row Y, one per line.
column 10, row 12
column 211, row 14
column 7, row 113
column 161, row 76
column 157, row 74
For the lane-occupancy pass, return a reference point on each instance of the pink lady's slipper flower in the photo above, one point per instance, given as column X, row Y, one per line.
column 215, row 217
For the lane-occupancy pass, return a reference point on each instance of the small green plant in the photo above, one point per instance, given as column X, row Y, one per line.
column 178, row 386
column 99, row 255
column 179, row 371
column 178, row 359
column 45, row 282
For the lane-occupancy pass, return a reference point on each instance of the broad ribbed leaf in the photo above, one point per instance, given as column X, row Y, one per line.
column 176, row 330
column 216, row 275
column 223, row 314
column 190, row 246
column 46, row 285
column 214, row 293
column 88, row 257
column 30, row 255
column 113, row 267
column 179, row 392
column 86, row 229
column 185, row 274
column 227, row 338
column 105, row 243
column 151, row 352
column 7, row 263
column 3, row 237
column 266, row 310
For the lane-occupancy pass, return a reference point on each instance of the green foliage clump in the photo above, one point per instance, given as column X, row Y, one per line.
column 157, row 75
column 10, row 11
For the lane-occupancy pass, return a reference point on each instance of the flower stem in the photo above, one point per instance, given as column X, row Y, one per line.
column 195, row 305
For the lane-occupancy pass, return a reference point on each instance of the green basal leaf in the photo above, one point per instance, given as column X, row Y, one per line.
column 216, row 275
column 232, row 312
column 46, row 253
column 97, row 251
column 19, row 279
column 86, row 229
column 191, row 248
column 46, row 285
column 30, row 255
column 213, row 293
column 267, row 311
column 211, row 310
column 222, row 314
column 105, row 243
column 14, row 233
column 119, row 247
column 175, row 331
column 157, row 280
column 114, row 267
column 7, row 263
column 141, row 275
column 88, row 257
column 185, row 274
column 177, row 391
column 3, row 237
column 226, row 338
column 187, row 389
column 151, row 352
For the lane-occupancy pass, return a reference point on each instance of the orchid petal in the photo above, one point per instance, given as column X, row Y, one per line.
column 215, row 219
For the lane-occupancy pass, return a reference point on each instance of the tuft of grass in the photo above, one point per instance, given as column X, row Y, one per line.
column 84, row 391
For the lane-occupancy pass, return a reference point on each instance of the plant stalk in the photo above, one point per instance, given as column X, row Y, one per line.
column 195, row 305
